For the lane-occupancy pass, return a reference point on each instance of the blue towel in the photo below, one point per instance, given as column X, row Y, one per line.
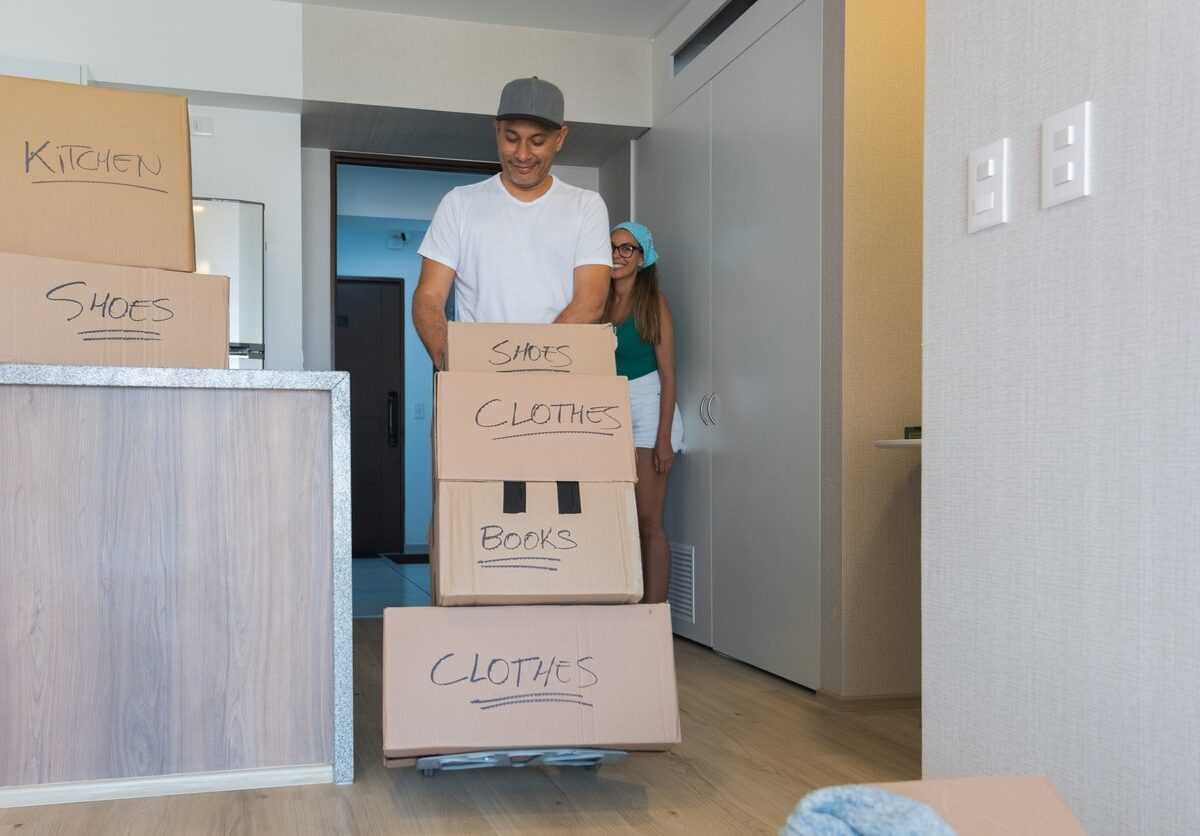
column 863, row 811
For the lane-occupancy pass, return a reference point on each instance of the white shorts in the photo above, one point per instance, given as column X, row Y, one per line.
column 645, row 396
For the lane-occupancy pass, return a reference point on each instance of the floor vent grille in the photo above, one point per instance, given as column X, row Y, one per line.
column 682, row 590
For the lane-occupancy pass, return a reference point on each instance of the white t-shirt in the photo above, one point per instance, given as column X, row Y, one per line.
column 515, row 261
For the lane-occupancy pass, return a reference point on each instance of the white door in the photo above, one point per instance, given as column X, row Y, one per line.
column 766, row 349
column 673, row 200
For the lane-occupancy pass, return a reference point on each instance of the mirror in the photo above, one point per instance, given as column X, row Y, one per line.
column 230, row 242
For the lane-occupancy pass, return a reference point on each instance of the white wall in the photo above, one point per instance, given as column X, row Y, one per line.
column 255, row 155
column 585, row 177
column 317, row 315
column 669, row 89
column 381, row 192
column 615, row 184
column 249, row 47
column 1061, row 539
column 447, row 65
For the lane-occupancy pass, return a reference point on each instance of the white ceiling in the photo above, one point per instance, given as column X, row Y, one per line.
column 635, row 18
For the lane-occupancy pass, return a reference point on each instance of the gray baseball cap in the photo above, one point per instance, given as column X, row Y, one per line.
column 532, row 99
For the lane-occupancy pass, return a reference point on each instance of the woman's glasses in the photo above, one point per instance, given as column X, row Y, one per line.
column 626, row 250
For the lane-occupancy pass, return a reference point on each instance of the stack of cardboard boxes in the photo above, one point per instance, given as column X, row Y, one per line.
column 96, row 241
column 534, row 516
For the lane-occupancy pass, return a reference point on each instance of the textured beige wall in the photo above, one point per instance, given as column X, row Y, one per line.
column 875, row 647
column 1062, row 398
column 426, row 63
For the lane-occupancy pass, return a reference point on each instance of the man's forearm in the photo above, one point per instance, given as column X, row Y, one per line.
column 591, row 288
column 429, row 319
column 581, row 311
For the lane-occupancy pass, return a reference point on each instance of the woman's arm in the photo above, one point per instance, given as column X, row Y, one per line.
column 664, row 353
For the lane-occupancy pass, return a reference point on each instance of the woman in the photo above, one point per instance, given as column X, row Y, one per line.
column 646, row 355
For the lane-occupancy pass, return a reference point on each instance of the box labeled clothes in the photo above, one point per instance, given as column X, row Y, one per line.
column 479, row 678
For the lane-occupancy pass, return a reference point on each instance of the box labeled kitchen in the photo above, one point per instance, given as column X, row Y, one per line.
column 85, row 314
column 476, row 678
column 508, row 348
column 95, row 174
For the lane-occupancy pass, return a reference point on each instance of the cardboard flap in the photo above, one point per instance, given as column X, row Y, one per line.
column 533, row 428
column 995, row 806
column 520, row 347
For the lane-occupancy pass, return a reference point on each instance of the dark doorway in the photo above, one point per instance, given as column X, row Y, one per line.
column 369, row 343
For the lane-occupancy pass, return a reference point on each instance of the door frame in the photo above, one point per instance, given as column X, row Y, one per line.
column 337, row 158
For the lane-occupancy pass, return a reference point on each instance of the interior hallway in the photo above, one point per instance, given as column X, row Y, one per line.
column 753, row 744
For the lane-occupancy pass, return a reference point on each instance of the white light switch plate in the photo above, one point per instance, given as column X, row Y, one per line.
column 201, row 125
column 1067, row 155
column 987, row 186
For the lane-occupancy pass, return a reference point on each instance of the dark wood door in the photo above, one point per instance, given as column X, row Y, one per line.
column 369, row 343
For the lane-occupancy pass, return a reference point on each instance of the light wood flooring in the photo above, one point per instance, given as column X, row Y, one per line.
column 752, row 746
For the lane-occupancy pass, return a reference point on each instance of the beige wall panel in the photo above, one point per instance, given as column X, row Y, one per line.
column 165, row 561
column 880, row 635
column 1061, row 541
column 396, row 60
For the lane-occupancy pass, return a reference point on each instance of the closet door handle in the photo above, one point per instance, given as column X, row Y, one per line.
column 704, row 403
column 714, row 409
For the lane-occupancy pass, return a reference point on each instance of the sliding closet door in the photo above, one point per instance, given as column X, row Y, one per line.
column 673, row 186
column 766, row 373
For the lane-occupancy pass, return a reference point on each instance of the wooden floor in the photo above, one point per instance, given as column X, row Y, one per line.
column 752, row 746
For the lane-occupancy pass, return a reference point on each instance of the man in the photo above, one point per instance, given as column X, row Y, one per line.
column 522, row 246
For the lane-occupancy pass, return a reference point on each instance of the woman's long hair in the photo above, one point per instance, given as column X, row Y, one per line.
column 643, row 304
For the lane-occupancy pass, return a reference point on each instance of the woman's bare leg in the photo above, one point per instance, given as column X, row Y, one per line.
column 650, row 492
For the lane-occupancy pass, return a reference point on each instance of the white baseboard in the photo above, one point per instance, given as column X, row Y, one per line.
column 239, row 779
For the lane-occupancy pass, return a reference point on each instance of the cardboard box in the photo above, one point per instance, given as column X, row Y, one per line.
column 94, row 174
column 517, row 347
column 482, row 555
column 475, row 678
column 1024, row 804
column 533, row 428
column 74, row 313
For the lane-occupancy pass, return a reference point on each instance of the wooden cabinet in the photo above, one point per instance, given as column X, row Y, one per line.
column 730, row 183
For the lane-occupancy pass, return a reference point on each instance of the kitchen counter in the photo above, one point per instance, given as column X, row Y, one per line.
column 176, row 581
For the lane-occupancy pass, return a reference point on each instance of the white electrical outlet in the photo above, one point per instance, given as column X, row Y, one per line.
column 987, row 186
column 1067, row 155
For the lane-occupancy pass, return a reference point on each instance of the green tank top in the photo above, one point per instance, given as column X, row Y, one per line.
column 635, row 356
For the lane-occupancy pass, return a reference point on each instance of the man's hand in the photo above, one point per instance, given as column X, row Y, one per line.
column 429, row 308
column 591, row 292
